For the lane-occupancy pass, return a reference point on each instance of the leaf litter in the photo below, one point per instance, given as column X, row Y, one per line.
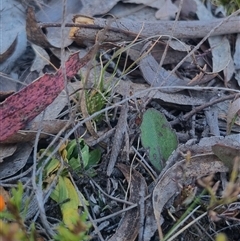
column 187, row 78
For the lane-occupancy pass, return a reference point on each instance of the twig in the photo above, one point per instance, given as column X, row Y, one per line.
column 120, row 211
column 143, row 162
column 205, row 105
column 38, row 188
column 119, row 133
column 86, row 209
column 80, row 123
column 187, row 226
column 211, row 32
column 109, row 196
column 184, row 29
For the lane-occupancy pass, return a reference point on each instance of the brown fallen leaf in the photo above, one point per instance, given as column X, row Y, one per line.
column 34, row 32
column 13, row 35
column 157, row 76
column 48, row 128
column 18, row 109
column 226, row 154
column 180, row 174
column 5, row 55
column 128, row 229
column 16, row 162
column 233, row 114
column 7, row 150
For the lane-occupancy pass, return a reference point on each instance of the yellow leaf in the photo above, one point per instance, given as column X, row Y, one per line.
column 70, row 209
column 221, row 237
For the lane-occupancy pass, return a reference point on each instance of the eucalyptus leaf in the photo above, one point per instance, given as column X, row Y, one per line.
column 226, row 154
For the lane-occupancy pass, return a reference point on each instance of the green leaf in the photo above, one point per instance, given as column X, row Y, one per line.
column 70, row 148
column 157, row 137
column 94, row 158
column 74, row 163
column 17, row 196
column 85, row 154
column 60, row 193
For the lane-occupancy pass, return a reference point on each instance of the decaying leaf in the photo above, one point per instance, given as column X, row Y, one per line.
column 226, row 154
column 128, row 229
column 157, row 137
column 157, row 76
column 34, row 32
column 180, row 174
column 102, row 8
column 7, row 150
column 53, row 13
column 16, row 162
column 233, row 114
column 13, row 34
column 220, row 46
column 17, row 110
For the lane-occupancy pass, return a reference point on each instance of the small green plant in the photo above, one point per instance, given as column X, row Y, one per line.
column 97, row 97
column 89, row 158
column 65, row 192
column 13, row 228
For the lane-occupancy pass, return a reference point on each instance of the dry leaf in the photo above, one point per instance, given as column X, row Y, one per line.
column 17, row 110
column 167, row 11
column 4, row 193
column 49, row 128
column 16, row 162
column 157, row 76
column 13, row 34
column 53, row 12
column 34, row 32
column 233, row 114
column 226, row 154
column 41, row 59
column 236, row 58
column 7, row 150
column 180, row 174
column 103, row 7
column 188, row 7
column 220, row 46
